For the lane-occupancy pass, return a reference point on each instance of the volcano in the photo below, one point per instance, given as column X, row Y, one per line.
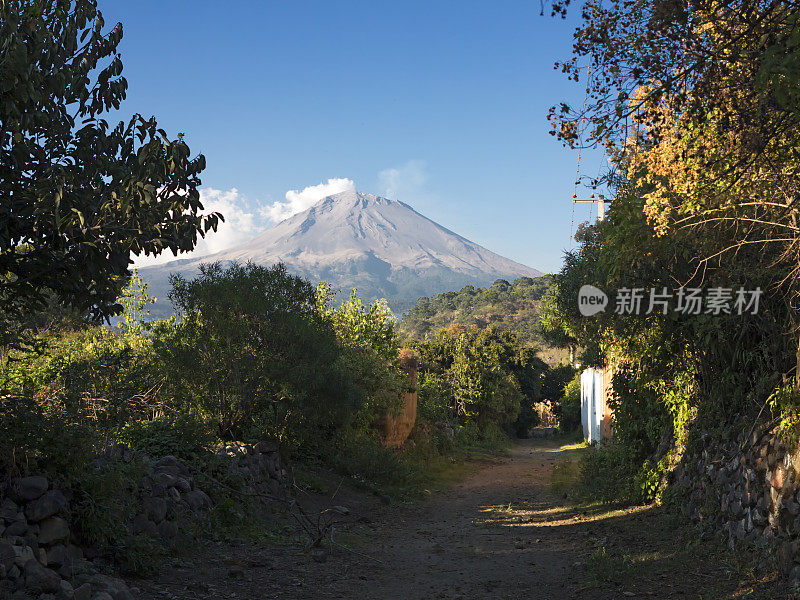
column 382, row 247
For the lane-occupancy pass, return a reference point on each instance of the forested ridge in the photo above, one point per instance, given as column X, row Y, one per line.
column 514, row 307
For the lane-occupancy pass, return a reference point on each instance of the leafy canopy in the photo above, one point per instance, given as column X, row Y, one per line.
column 78, row 196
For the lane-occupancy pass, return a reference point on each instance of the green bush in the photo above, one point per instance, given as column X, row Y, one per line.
column 367, row 462
column 35, row 440
column 106, row 500
column 477, row 377
column 253, row 356
column 433, row 400
column 614, row 472
column 181, row 436
column 93, row 374
column 568, row 408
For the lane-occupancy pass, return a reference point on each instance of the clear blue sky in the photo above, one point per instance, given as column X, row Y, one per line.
column 453, row 95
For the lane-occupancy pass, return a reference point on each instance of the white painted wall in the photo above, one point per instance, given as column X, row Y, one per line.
column 592, row 405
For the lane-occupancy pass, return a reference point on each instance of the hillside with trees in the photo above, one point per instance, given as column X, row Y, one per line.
column 504, row 307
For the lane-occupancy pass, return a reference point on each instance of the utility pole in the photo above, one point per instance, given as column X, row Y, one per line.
column 600, row 201
column 595, row 411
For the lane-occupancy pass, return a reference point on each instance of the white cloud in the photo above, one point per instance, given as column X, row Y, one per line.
column 241, row 223
column 399, row 183
column 298, row 201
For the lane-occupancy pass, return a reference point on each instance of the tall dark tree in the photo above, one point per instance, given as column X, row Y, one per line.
column 77, row 195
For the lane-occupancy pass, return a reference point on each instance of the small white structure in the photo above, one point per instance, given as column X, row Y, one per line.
column 595, row 413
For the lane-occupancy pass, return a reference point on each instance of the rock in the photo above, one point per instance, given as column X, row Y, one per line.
column 58, row 556
column 753, row 440
column 183, row 485
column 170, row 464
column 22, row 554
column 197, row 500
column 7, row 554
column 67, row 591
column 39, row 579
column 83, row 592
column 776, row 478
column 26, row 489
column 167, row 530
column 102, row 596
column 53, row 530
column 143, row 526
column 166, row 479
column 170, row 469
column 342, row 510
column 51, row 503
column 740, row 532
column 171, row 514
column 8, row 509
column 174, row 494
column 74, row 553
column 16, row 529
column 155, row 509
column 115, row 588
column 785, row 558
column 166, row 461
column 78, row 571
column 265, row 447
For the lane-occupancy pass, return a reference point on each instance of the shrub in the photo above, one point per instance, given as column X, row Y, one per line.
column 480, row 377
column 254, row 356
column 93, row 374
column 35, row 440
column 181, row 435
column 106, row 500
column 370, row 464
column 569, row 407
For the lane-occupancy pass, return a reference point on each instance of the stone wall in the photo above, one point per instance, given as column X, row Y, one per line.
column 38, row 553
column 41, row 555
column 750, row 488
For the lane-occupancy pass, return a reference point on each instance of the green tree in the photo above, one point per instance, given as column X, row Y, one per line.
column 254, row 354
column 370, row 350
column 480, row 377
column 78, row 196
column 135, row 302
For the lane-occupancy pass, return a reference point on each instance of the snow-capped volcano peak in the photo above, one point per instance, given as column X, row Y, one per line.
column 383, row 247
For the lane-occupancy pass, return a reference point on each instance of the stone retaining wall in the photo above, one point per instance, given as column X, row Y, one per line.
column 41, row 556
column 749, row 487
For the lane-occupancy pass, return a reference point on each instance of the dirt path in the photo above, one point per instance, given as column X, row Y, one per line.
column 501, row 533
column 482, row 539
